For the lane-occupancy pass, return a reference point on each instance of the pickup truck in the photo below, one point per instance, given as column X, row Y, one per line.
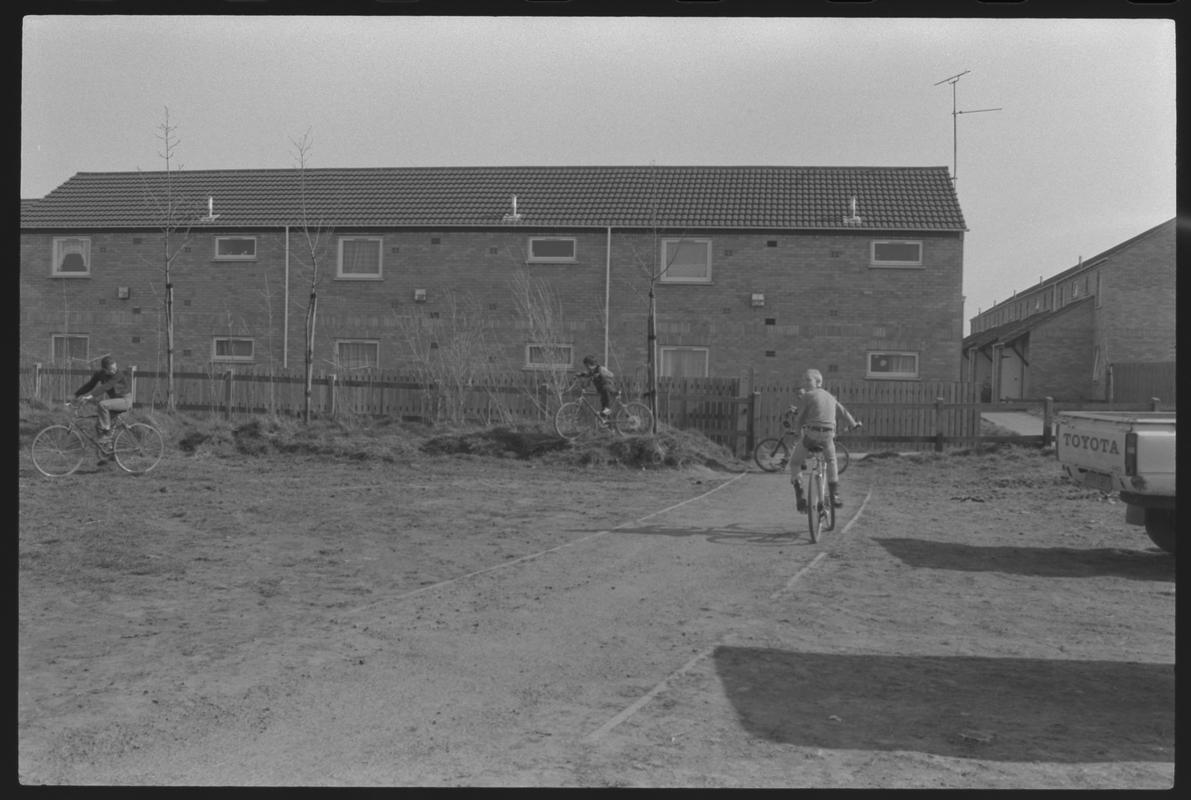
column 1131, row 453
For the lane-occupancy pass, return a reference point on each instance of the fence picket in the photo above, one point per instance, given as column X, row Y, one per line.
column 898, row 414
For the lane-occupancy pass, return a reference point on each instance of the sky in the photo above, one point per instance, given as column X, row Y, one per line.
column 1078, row 156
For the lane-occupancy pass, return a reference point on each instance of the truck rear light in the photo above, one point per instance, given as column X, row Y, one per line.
column 1131, row 453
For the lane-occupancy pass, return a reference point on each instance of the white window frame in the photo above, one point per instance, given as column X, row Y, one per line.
column 58, row 254
column 669, row 350
column 225, row 359
column 665, row 277
column 530, row 363
column 56, row 337
column 235, row 256
column 362, row 276
column 873, row 261
column 891, row 376
column 571, row 259
column 339, row 360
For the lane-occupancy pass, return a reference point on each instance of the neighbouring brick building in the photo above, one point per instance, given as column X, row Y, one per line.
column 1062, row 337
column 755, row 270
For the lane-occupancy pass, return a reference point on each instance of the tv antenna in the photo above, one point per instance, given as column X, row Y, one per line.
column 954, row 79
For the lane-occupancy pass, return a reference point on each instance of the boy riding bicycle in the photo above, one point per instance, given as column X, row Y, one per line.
column 108, row 379
column 817, row 410
column 601, row 379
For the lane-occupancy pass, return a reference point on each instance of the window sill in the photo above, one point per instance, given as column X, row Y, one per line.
column 70, row 274
column 359, row 277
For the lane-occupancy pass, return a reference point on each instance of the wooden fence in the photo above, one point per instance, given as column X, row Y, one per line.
column 1137, row 381
column 897, row 415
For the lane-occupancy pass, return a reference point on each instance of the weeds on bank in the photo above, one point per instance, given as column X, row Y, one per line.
column 365, row 438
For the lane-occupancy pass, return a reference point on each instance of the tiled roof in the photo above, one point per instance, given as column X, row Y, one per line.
column 1166, row 228
column 1009, row 331
column 798, row 198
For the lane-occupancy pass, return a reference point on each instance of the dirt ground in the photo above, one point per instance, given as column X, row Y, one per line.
column 444, row 619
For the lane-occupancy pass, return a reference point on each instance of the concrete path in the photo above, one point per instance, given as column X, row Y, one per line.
column 1017, row 421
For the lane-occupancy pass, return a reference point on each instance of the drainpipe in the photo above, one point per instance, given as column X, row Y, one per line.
column 285, row 309
column 607, row 290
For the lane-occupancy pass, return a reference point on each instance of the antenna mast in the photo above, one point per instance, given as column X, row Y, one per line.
column 954, row 79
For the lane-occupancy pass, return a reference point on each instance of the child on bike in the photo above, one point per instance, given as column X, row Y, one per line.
column 817, row 410
column 601, row 379
column 109, row 379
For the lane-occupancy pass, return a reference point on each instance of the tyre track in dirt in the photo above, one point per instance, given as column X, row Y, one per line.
column 501, row 676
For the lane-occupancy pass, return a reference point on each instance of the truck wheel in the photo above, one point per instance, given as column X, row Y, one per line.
column 1160, row 527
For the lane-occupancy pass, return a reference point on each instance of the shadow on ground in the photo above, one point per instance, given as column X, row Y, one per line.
column 1050, row 562
column 728, row 534
column 1000, row 709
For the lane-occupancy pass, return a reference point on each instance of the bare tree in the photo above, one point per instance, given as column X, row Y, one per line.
column 651, row 266
column 540, row 310
column 450, row 350
column 313, row 252
column 176, row 216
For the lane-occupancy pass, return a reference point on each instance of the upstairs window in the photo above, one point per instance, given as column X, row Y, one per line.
column 229, row 349
column 892, row 365
column 549, row 356
column 896, row 253
column 69, row 349
column 357, row 354
column 72, row 257
column 686, row 261
column 552, row 249
column 359, row 257
column 235, row 248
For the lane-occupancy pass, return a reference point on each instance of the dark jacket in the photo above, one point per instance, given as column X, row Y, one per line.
column 115, row 385
column 601, row 377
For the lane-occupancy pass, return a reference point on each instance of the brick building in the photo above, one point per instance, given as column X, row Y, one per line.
column 1062, row 337
column 761, row 270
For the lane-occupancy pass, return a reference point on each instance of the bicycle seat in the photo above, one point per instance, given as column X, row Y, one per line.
column 814, row 448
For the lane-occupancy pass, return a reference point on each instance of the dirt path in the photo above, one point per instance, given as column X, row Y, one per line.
column 483, row 623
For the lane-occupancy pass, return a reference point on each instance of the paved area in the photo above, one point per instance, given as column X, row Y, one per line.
column 1016, row 421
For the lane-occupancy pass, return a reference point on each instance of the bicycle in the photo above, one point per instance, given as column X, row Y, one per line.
column 773, row 454
column 820, row 511
column 59, row 450
column 576, row 418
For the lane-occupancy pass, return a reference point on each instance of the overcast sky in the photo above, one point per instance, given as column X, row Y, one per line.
column 1080, row 156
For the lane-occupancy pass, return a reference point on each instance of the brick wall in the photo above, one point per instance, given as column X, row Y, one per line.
column 1136, row 317
column 824, row 306
column 1060, row 358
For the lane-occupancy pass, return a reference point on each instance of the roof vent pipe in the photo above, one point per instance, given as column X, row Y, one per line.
column 853, row 218
column 514, row 217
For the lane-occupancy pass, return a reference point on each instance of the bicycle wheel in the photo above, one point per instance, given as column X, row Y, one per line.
column 138, row 448
column 842, row 457
column 633, row 419
column 828, row 513
column 572, row 420
column 771, row 454
column 57, row 451
column 814, row 503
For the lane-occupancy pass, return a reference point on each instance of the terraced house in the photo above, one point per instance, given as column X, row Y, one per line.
column 1067, row 336
column 752, row 270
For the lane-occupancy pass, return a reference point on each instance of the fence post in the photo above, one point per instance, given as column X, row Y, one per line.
column 1048, row 418
column 751, row 428
column 938, row 424
column 331, row 390
column 37, row 381
column 227, row 395
column 1154, row 404
column 132, row 382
